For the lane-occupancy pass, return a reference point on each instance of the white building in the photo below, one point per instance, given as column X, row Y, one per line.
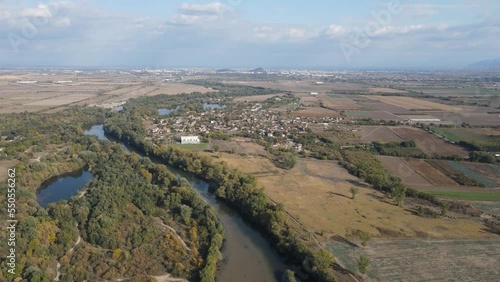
column 190, row 140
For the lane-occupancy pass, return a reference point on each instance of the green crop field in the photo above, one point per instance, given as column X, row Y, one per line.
column 471, row 196
column 446, row 133
column 334, row 96
column 194, row 147
column 465, row 134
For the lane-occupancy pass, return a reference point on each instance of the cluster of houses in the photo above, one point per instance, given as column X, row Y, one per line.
column 252, row 119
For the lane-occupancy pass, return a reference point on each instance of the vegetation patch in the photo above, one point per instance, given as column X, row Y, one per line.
column 461, row 195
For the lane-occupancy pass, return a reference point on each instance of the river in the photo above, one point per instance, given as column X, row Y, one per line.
column 247, row 255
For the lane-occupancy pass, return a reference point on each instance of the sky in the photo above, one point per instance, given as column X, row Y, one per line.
column 315, row 34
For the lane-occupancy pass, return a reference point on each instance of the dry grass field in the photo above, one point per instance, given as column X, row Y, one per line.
column 414, row 104
column 316, row 193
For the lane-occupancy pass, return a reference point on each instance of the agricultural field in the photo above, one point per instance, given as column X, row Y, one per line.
column 428, row 142
column 375, row 115
column 472, row 118
column 256, row 98
column 316, row 194
column 468, row 134
column 377, row 133
column 406, row 171
column 50, row 95
column 442, row 178
column 453, row 91
column 460, row 173
column 466, row 195
column 424, row 260
column 489, row 171
column 339, row 103
column 432, row 175
column 315, row 112
column 385, row 90
column 194, row 147
column 305, row 86
column 414, row 104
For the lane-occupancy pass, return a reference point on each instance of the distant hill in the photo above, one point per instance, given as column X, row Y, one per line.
column 225, row 70
column 486, row 65
column 259, row 71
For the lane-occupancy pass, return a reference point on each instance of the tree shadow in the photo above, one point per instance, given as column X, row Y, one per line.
column 343, row 240
column 377, row 197
column 358, row 183
column 331, row 194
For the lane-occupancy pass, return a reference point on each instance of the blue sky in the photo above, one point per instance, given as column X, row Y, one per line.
column 403, row 34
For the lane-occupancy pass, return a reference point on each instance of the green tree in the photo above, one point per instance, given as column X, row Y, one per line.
column 354, row 190
column 444, row 208
column 363, row 263
column 186, row 213
column 289, row 276
column 216, row 147
column 365, row 237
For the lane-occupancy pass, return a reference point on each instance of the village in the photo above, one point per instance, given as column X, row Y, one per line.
column 253, row 120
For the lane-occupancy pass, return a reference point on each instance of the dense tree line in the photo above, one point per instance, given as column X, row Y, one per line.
column 399, row 149
column 365, row 166
column 486, row 146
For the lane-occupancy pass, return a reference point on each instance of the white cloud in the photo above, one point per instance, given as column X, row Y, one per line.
column 208, row 9
column 193, row 14
column 334, row 31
